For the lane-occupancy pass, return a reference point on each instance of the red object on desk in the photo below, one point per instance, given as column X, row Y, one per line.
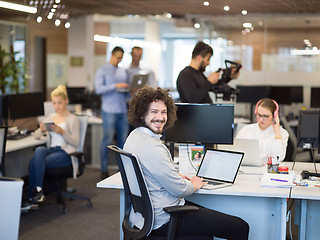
column 283, row 169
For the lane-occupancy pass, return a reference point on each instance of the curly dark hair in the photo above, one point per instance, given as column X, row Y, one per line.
column 140, row 102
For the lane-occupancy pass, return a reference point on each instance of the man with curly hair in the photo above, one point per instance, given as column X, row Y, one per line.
column 151, row 111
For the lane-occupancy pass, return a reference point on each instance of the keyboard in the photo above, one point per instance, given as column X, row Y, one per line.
column 16, row 136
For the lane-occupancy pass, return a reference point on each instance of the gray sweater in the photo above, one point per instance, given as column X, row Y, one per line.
column 166, row 186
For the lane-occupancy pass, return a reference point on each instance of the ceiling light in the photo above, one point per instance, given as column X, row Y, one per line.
column 39, row 19
column 197, row 25
column 67, row 25
column 57, row 22
column 53, row 10
column 55, row 6
column 57, row 1
column 244, row 12
column 260, row 23
column 226, row 8
column 169, row 15
column 206, row 3
column 50, row 15
column 305, row 52
column 18, row 7
column 247, row 25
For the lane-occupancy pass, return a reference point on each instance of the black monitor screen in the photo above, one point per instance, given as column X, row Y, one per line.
column 282, row 95
column 77, row 95
column 297, row 94
column 308, row 129
column 202, row 123
column 315, row 97
column 25, row 105
column 251, row 94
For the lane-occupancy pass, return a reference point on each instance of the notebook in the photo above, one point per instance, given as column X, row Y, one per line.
column 219, row 168
column 137, row 82
column 251, row 149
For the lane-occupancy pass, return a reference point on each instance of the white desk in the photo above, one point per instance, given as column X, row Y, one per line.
column 307, row 207
column 263, row 208
column 18, row 154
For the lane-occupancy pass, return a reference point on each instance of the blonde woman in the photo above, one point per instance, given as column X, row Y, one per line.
column 64, row 139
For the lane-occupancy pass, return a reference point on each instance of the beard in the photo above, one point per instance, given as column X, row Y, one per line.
column 202, row 67
column 157, row 130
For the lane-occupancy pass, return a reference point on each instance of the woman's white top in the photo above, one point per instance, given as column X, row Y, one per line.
column 57, row 139
column 269, row 145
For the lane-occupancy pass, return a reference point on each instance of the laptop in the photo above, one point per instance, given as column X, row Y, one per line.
column 137, row 82
column 251, row 149
column 219, row 168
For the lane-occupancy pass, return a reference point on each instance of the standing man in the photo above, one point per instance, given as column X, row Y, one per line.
column 111, row 82
column 136, row 67
column 151, row 111
column 192, row 85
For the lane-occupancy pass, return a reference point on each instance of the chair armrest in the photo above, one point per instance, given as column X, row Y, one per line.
column 77, row 154
column 175, row 212
column 179, row 210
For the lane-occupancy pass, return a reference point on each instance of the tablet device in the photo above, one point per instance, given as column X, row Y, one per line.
column 47, row 125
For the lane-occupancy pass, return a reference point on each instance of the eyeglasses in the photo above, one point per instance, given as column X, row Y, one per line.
column 264, row 117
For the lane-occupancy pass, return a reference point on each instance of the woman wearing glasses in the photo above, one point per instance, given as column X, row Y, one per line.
column 271, row 136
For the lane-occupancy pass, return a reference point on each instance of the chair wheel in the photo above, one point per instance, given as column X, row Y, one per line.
column 89, row 204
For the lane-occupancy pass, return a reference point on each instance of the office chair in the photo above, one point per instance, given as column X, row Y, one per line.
column 59, row 176
column 3, row 140
column 137, row 197
column 291, row 151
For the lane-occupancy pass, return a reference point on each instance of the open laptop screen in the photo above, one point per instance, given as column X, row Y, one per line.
column 220, row 165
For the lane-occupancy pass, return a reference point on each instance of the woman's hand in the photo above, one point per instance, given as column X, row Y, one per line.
column 55, row 128
column 276, row 126
column 42, row 127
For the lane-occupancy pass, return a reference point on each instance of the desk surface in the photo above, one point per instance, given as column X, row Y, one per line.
column 29, row 141
column 245, row 185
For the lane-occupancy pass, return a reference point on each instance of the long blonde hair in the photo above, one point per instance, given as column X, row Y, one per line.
column 60, row 91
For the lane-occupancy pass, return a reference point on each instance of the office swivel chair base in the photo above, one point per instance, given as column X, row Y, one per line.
column 58, row 177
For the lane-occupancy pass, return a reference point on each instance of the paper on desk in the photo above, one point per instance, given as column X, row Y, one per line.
column 276, row 180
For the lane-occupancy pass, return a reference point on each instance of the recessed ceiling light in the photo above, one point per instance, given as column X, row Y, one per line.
column 67, row 25
column 39, row 19
column 206, row 3
column 247, row 25
column 196, row 25
column 226, row 8
column 244, row 12
column 169, row 15
column 57, row 22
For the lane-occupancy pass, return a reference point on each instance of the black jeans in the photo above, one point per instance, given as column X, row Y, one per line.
column 207, row 222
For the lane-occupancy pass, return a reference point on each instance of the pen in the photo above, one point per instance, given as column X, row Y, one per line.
column 279, row 180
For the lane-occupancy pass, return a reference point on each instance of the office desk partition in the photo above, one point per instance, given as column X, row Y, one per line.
column 263, row 208
column 18, row 154
column 307, row 205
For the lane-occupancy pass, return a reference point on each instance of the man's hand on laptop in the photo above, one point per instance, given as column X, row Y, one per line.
column 197, row 183
column 122, row 85
column 185, row 177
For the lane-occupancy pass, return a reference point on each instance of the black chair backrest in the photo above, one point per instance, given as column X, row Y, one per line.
column 137, row 196
column 3, row 140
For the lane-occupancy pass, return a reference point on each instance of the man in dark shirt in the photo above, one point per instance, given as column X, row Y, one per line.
column 192, row 85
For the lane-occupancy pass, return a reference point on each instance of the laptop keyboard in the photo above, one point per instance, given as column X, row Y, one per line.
column 214, row 183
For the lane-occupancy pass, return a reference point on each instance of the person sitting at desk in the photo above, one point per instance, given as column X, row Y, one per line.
column 272, row 137
column 151, row 111
column 64, row 139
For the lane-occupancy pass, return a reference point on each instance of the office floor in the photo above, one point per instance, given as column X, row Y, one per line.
column 80, row 222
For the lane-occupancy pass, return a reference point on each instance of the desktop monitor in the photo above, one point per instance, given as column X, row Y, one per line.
column 202, row 124
column 308, row 129
column 297, row 94
column 315, row 97
column 251, row 94
column 77, row 95
column 282, row 95
column 24, row 105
